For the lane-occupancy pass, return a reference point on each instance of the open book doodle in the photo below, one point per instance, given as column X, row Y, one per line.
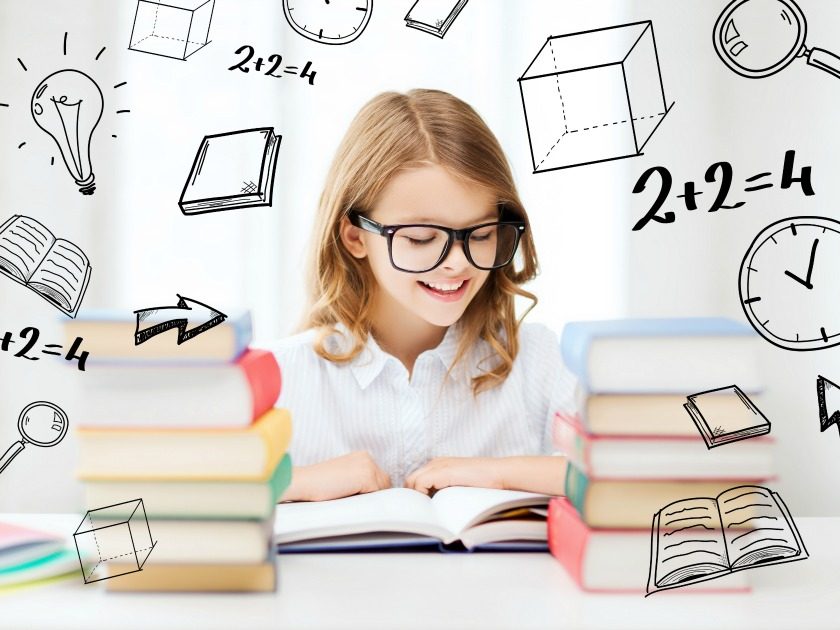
column 699, row 539
column 54, row 268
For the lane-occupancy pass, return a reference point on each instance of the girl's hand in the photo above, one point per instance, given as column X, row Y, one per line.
column 354, row 473
column 441, row 472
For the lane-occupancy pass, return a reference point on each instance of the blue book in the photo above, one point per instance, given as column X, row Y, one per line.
column 668, row 355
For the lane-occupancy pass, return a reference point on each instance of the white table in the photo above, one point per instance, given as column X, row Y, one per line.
column 432, row 590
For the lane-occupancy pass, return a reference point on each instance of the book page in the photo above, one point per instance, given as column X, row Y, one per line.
column 459, row 508
column 756, row 528
column 391, row 510
column 23, row 244
column 62, row 275
column 689, row 542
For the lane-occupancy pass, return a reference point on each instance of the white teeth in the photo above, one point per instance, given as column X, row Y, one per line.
column 444, row 287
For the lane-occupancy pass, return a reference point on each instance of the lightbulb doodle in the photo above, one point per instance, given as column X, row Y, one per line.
column 68, row 105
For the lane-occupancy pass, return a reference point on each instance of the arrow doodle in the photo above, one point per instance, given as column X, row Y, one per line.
column 828, row 397
column 190, row 317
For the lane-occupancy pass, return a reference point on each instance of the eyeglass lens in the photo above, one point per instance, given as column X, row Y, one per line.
column 418, row 248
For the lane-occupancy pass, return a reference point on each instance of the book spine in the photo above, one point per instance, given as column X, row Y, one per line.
column 243, row 334
column 275, row 431
column 575, row 342
column 567, row 538
column 576, row 487
column 281, row 479
column 264, row 380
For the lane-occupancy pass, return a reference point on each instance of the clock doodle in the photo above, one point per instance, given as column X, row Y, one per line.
column 789, row 285
column 328, row 21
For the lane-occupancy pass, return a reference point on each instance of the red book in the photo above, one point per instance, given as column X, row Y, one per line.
column 206, row 396
column 614, row 560
column 660, row 457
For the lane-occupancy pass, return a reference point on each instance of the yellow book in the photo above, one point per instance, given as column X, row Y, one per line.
column 203, row 454
column 197, row 577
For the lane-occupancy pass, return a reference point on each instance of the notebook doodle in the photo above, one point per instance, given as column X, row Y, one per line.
column 333, row 22
column 29, row 337
column 434, row 16
column 54, row 268
column 725, row 415
column 41, row 424
column 174, row 28
column 828, row 400
column 68, row 105
column 794, row 261
column 272, row 65
column 725, row 171
column 593, row 96
column 189, row 316
column 702, row 538
column 116, row 532
column 232, row 170
column 758, row 38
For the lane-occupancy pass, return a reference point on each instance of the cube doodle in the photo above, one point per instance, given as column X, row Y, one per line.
column 107, row 534
column 593, row 96
column 176, row 28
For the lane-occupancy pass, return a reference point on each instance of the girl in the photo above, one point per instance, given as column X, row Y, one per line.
column 413, row 369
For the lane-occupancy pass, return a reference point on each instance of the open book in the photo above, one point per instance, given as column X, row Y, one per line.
column 54, row 268
column 699, row 539
column 477, row 517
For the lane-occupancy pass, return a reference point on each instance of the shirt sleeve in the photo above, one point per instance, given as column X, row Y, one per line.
column 555, row 386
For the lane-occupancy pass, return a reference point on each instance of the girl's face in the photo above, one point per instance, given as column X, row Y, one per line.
column 426, row 195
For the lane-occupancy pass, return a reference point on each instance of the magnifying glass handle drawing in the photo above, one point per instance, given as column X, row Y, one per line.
column 824, row 60
column 10, row 454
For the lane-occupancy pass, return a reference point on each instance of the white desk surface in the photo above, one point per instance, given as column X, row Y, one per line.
column 433, row 590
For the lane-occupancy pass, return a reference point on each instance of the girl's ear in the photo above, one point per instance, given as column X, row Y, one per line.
column 351, row 237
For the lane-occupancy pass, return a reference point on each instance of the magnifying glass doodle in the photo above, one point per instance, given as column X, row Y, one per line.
column 757, row 38
column 40, row 423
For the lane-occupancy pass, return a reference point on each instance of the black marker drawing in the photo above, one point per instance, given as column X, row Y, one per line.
column 40, row 423
column 758, row 38
column 702, row 538
column 171, row 28
column 107, row 534
column 828, row 399
column 434, row 16
column 31, row 334
column 190, row 317
column 67, row 105
column 794, row 261
column 54, row 268
column 232, row 170
column 275, row 61
column 690, row 191
column 593, row 96
column 328, row 22
column 726, row 414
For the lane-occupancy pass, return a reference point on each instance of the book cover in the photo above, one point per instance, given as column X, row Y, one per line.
column 434, row 16
column 740, row 421
column 232, row 170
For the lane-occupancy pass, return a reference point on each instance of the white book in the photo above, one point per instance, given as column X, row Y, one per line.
column 473, row 516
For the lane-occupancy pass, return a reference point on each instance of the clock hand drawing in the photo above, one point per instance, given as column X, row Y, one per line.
column 807, row 281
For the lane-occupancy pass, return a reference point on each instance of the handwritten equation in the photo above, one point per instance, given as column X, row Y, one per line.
column 273, row 64
column 723, row 171
column 28, row 338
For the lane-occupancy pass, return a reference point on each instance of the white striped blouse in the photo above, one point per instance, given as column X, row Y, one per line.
column 371, row 405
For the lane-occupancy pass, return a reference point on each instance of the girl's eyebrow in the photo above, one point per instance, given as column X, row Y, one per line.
column 489, row 216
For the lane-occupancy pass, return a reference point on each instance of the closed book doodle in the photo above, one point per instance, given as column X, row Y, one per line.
column 739, row 421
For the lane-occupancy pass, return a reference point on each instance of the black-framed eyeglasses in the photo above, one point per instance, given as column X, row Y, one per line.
column 420, row 247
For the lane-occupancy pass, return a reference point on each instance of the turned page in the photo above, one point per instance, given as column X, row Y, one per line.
column 63, row 274
column 757, row 527
column 23, row 244
column 689, row 542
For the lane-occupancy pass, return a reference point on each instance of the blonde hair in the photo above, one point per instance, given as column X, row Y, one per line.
column 393, row 132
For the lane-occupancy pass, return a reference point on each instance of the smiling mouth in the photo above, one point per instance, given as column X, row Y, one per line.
column 447, row 291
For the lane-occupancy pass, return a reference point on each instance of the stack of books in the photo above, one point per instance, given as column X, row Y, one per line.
column 29, row 557
column 192, row 431
column 638, row 441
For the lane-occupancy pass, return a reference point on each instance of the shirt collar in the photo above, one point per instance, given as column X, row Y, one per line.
column 370, row 362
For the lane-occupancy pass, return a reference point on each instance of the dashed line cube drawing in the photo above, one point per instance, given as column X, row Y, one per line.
column 116, row 532
column 171, row 28
column 593, row 96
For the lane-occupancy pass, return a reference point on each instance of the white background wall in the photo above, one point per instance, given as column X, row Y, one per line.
column 143, row 250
